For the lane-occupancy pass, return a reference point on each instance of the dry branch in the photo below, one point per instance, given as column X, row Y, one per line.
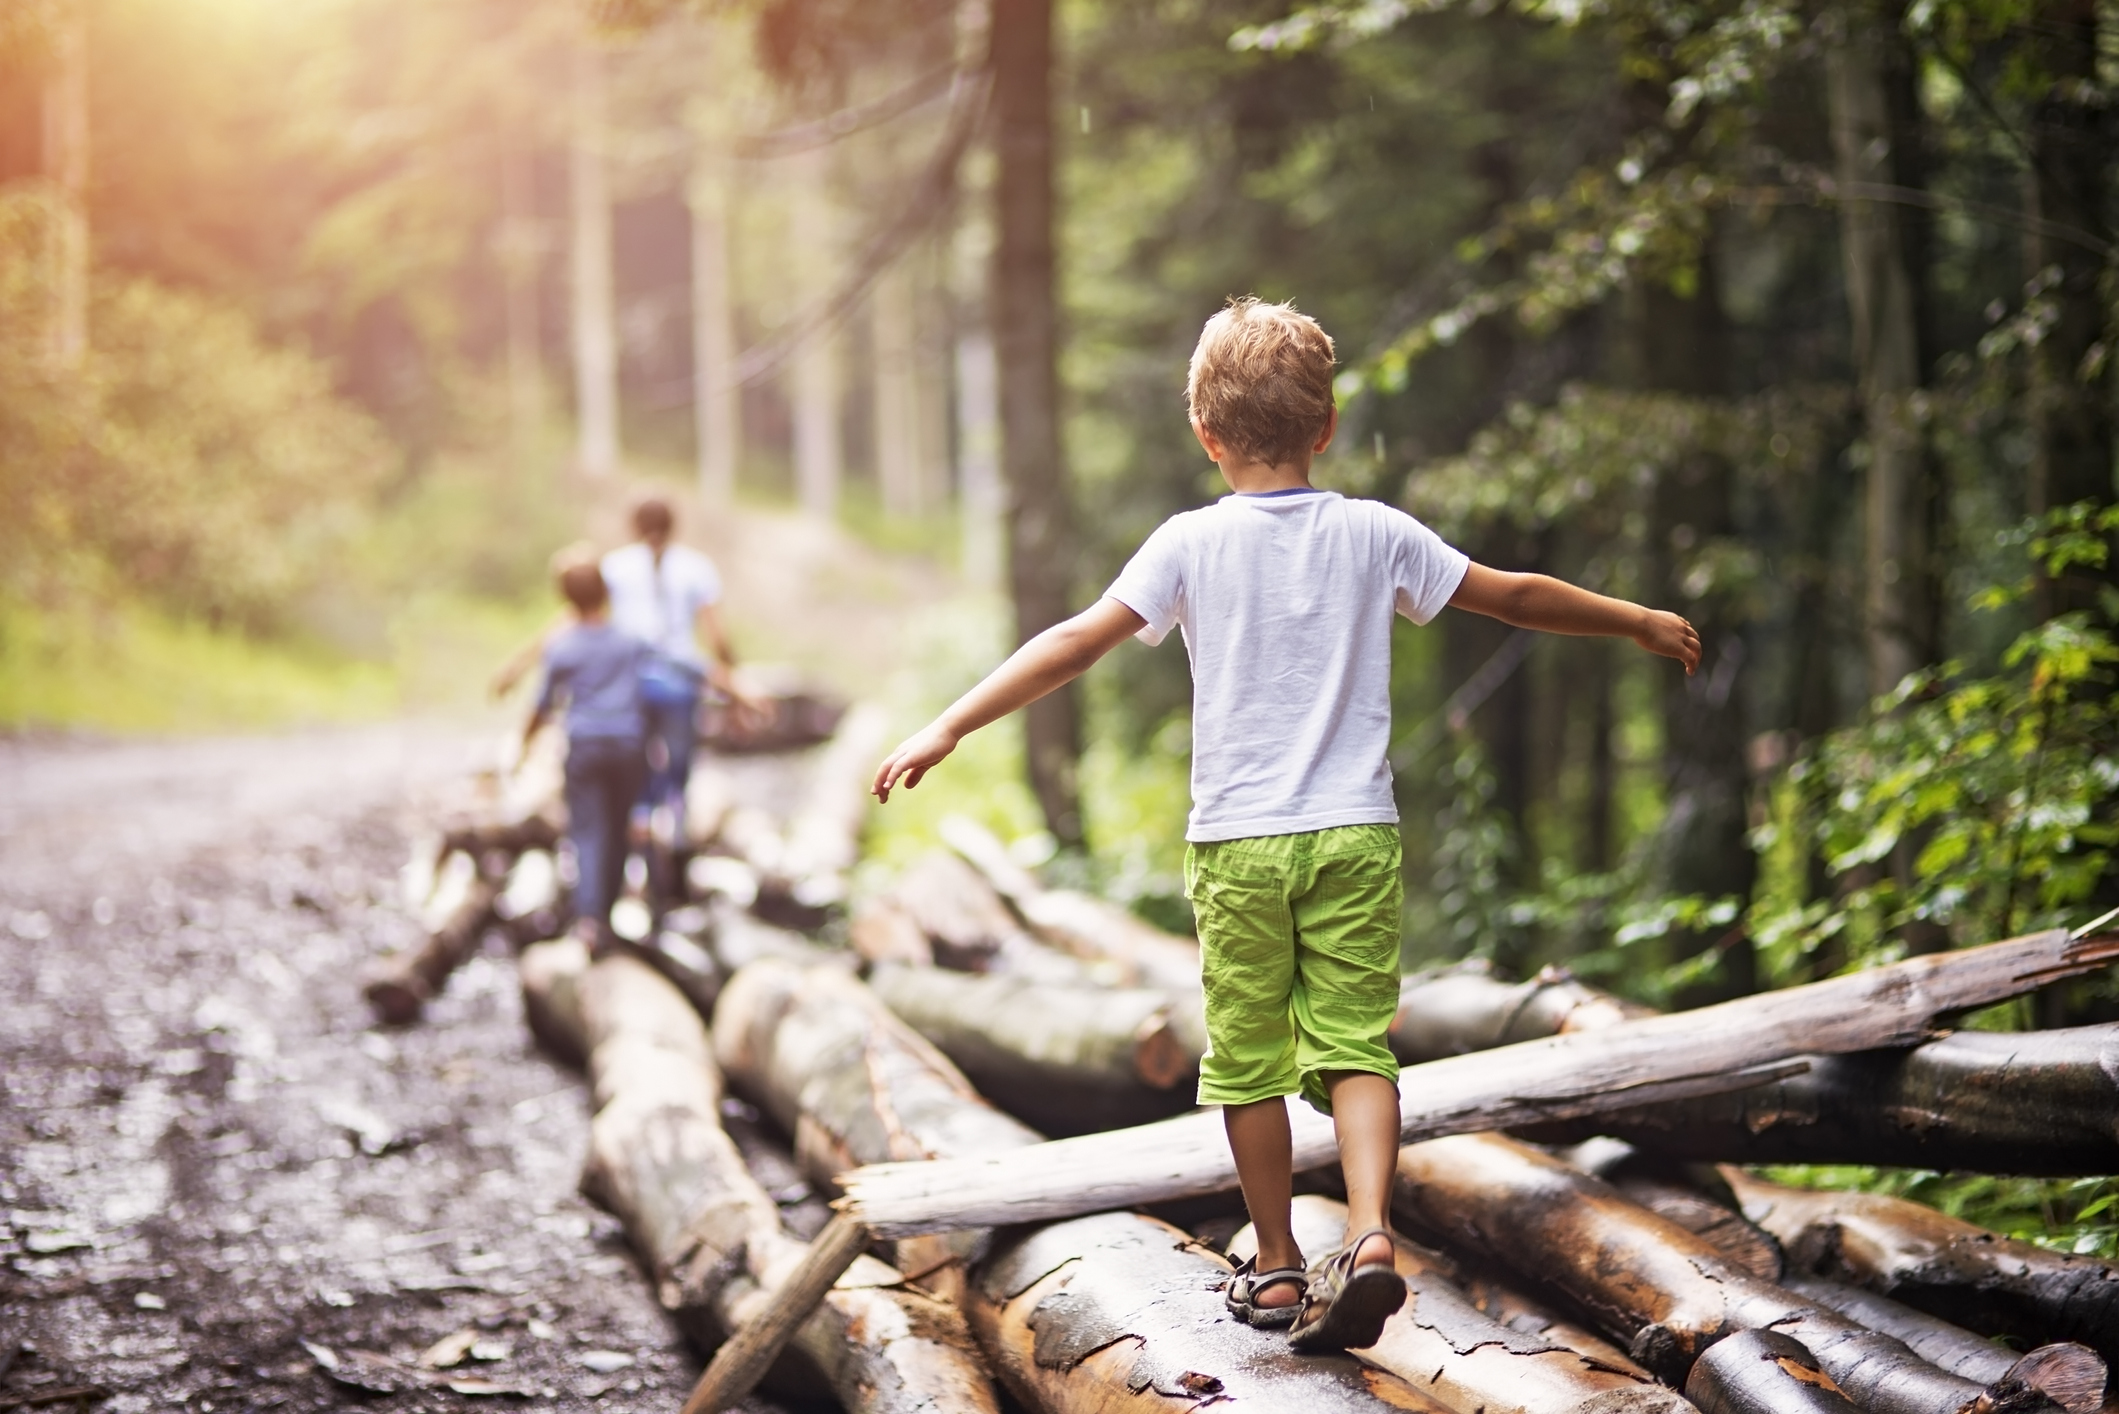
column 1122, row 1314
column 710, row 1235
column 1584, row 1073
column 1941, row 1265
column 2043, row 1102
column 1667, row 1290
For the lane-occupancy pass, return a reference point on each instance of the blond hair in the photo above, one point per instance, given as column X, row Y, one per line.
column 1261, row 380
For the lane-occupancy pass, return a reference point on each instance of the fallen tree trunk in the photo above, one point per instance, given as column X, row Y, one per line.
column 1122, row 1314
column 967, row 926
column 1669, row 1291
column 532, row 906
column 1508, row 1305
column 1763, row 1372
column 1466, row 1008
column 2043, row 1102
column 403, row 984
column 1713, row 1049
column 711, row 1237
column 1941, row 1265
column 1066, row 1060
column 2072, row 1374
column 1444, row 1345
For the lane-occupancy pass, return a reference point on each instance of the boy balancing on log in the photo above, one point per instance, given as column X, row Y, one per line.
column 1285, row 595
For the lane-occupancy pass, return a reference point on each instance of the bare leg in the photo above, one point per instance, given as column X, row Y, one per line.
column 1365, row 1117
column 1265, row 1158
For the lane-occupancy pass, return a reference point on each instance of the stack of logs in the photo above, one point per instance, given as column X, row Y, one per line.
column 1591, row 1261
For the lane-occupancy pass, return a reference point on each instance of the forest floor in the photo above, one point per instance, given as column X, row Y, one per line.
column 217, row 1177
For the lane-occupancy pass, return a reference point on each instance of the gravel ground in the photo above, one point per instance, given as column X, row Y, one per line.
column 217, row 1181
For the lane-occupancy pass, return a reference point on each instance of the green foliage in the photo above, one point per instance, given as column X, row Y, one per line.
column 2064, row 1214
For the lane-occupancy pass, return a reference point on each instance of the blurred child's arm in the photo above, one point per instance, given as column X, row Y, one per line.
column 1542, row 602
column 1055, row 657
column 525, row 658
column 529, row 732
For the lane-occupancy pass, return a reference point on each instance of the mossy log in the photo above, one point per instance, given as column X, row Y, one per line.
column 1947, row 1267
column 2041, row 1102
column 1466, row 1008
column 1445, row 1346
column 1122, row 1314
column 1582, row 1073
column 1650, row 1280
column 1067, row 1060
column 709, row 1234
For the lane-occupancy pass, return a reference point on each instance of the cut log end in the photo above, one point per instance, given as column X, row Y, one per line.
column 396, row 1001
column 2069, row 1375
column 1160, row 1057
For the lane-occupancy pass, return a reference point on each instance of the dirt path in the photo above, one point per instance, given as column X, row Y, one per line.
column 208, row 1158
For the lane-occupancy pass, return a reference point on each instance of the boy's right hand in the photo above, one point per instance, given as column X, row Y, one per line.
column 912, row 759
column 1670, row 636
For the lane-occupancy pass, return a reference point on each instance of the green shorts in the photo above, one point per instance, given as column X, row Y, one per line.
column 1298, row 939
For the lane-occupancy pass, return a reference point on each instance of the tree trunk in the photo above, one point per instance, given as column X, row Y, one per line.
column 595, row 313
column 2066, row 191
column 2043, row 1102
column 1763, row 1372
column 818, row 450
column 1876, row 136
column 1067, row 1060
column 1467, row 1008
column 894, row 359
column 981, row 499
column 2071, row 1375
column 1941, row 1265
column 404, row 983
column 1669, row 1291
column 520, row 255
column 1585, row 1073
column 710, row 1236
column 1454, row 1352
column 66, row 151
column 1122, row 1314
column 1025, row 322
column 717, row 405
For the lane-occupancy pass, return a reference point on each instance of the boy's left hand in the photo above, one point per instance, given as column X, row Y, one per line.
column 1670, row 636
column 912, row 759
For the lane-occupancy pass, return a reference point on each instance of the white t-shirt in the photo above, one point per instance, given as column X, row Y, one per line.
column 660, row 603
column 1286, row 601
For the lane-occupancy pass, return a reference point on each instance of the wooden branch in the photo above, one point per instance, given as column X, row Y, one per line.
column 1444, row 1344
column 1648, row 1279
column 1068, row 1060
column 1466, row 1008
column 1583, row 1073
column 404, row 983
column 2042, row 1102
column 1763, row 1372
column 1946, row 1267
column 1122, row 1314
column 740, row 1363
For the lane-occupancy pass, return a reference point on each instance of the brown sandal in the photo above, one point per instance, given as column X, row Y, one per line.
column 1345, row 1306
column 1245, row 1284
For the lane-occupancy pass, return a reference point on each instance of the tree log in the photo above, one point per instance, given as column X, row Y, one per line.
column 2072, row 1375
column 1122, row 1314
column 532, row 906
column 802, row 869
column 405, row 982
column 1067, row 1060
column 709, row 1234
column 540, row 829
column 1712, row 1049
column 966, row 924
column 2044, row 1102
column 1763, row 1372
column 790, row 722
column 1508, row 1305
column 1466, row 1008
column 1941, row 1265
column 882, row 931
column 1445, row 1346
column 1668, row 1291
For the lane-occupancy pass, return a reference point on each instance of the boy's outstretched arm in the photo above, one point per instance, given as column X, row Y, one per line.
column 1057, row 656
column 1542, row 602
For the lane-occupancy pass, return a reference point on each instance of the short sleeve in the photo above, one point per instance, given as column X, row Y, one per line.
column 1425, row 569
column 706, row 581
column 1152, row 583
column 555, row 672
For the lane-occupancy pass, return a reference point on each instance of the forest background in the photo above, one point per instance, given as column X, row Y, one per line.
column 1793, row 317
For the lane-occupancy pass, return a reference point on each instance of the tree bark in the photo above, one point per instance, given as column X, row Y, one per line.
column 2042, row 1102
column 1669, row 1291
column 1066, row 1060
column 520, row 251
column 816, row 391
column 1508, row 1305
column 2066, row 191
column 1467, row 1008
column 531, row 906
column 1122, row 1314
column 894, row 358
column 595, row 314
column 404, row 983
column 717, row 406
column 1876, row 137
column 1442, row 1343
column 709, row 1235
column 966, row 923
column 1946, row 1267
column 981, row 499
column 1025, row 323
column 1763, row 1372
column 1585, row 1073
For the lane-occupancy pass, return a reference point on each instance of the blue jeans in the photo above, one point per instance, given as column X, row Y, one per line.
column 604, row 777
column 672, row 733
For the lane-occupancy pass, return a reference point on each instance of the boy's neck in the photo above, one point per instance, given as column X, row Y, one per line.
column 588, row 618
column 1254, row 478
